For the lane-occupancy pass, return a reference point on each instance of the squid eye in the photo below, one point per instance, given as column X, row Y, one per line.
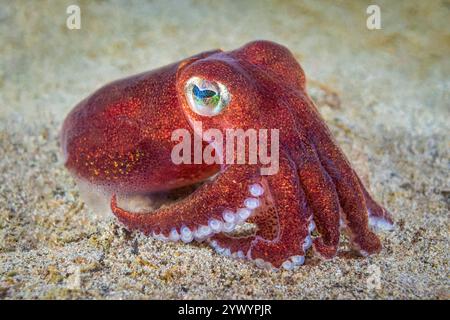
column 206, row 98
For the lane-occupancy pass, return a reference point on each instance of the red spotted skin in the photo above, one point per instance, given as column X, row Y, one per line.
column 120, row 138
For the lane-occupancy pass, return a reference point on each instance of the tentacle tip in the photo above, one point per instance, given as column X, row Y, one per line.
column 263, row 264
column 370, row 244
column 380, row 224
column 364, row 253
column 325, row 252
column 288, row 265
column 292, row 263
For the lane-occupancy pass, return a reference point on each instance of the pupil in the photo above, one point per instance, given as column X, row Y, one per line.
column 202, row 94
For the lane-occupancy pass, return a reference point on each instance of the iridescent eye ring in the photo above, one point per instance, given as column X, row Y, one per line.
column 206, row 98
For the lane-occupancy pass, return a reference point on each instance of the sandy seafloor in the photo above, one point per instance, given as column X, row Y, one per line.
column 384, row 94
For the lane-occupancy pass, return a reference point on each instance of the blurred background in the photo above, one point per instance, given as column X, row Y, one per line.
column 383, row 92
column 47, row 68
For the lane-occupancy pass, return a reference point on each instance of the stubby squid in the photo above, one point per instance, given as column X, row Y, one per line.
column 120, row 138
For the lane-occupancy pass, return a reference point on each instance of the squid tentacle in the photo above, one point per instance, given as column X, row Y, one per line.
column 322, row 198
column 283, row 224
column 379, row 217
column 293, row 219
column 351, row 192
column 214, row 207
column 265, row 219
